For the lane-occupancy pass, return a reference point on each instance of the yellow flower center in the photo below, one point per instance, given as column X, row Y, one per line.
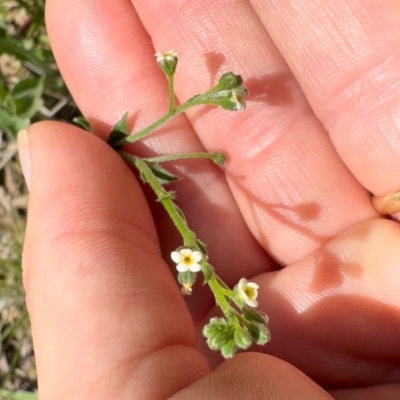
column 250, row 292
column 187, row 260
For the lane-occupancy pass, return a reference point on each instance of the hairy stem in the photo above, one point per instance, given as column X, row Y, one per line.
column 165, row 198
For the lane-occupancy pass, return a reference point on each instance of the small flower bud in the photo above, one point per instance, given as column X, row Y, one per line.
column 236, row 100
column 218, row 333
column 229, row 81
column 219, row 158
column 259, row 333
column 167, row 61
column 242, row 338
column 229, row 349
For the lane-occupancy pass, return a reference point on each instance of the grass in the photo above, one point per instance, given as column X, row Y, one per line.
column 31, row 89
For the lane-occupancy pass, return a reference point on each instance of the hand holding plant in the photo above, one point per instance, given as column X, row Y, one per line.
column 292, row 213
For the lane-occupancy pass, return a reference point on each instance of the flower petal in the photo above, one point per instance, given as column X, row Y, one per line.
column 182, row 267
column 185, row 252
column 253, row 285
column 197, row 256
column 195, row 267
column 252, row 302
column 176, row 257
column 242, row 284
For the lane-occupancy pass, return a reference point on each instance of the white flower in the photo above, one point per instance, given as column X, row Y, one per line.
column 169, row 55
column 187, row 260
column 249, row 292
column 239, row 98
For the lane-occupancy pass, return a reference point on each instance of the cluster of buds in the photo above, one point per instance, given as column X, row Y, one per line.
column 229, row 93
column 243, row 325
column 188, row 263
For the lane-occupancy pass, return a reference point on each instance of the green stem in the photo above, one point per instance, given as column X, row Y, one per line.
column 181, row 156
column 171, row 93
column 220, row 290
column 165, row 198
column 220, row 297
column 194, row 101
column 146, row 131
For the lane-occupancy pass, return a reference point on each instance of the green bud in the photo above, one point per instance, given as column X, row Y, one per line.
column 259, row 333
column 236, row 101
column 218, row 333
column 167, row 61
column 233, row 100
column 229, row 349
column 243, row 338
column 229, row 81
column 219, row 158
column 255, row 316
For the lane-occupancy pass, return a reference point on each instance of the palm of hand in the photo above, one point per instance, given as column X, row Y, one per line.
column 291, row 191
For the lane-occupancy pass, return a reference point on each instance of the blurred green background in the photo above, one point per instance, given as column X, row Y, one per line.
column 31, row 90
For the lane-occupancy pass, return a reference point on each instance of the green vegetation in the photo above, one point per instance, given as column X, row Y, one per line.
column 31, row 89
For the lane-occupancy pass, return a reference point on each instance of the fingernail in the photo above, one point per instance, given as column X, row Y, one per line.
column 24, row 156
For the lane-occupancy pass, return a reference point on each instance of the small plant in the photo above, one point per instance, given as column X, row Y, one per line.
column 32, row 89
column 241, row 324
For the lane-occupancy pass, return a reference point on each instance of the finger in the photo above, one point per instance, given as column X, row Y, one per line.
column 290, row 185
column 101, row 300
column 336, row 314
column 109, row 66
column 381, row 392
column 254, row 376
column 345, row 56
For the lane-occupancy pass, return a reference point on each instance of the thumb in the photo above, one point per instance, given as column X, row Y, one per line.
column 104, row 307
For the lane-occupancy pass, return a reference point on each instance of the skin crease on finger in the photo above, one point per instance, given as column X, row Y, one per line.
column 334, row 173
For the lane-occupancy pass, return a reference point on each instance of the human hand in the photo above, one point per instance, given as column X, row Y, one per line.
column 107, row 316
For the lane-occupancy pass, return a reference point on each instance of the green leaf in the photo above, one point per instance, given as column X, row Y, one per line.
column 119, row 131
column 3, row 90
column 15, row 48
column 83, row 123
column 26, row 96
column 163, row 176
column 7, row 395
column 11, row 124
